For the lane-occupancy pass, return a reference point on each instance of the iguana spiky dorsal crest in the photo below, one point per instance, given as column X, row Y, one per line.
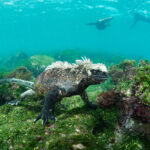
column 84, row 62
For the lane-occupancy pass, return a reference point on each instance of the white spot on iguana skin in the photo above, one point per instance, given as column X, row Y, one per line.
column 60, row 93
column 65, row 85
column 89, row 73
column 68, row 85
column 77, row 82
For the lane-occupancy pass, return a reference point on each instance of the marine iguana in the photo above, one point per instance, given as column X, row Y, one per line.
column 102, row 23
column 62, row 79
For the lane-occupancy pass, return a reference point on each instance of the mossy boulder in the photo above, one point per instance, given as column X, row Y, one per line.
column 20, row 73
column 36, row 63
column 132, row 80
column 11, row 91
column 39, row 63
column 41, row 60
column 141, row 84
column 123, row 70
column 130, row 95
column 16, row 60
column 122, row 76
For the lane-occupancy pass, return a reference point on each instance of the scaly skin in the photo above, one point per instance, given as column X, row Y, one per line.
column 58, row 83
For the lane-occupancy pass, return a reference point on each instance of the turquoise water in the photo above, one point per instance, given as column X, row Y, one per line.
column 50, row 25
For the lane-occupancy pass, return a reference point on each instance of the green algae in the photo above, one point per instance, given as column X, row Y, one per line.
column 133, row 79
column 142, row 81
column 20, row 73
column 74, row 127
column 38, row 60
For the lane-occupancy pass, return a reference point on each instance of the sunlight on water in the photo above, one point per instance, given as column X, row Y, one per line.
column 38, row 25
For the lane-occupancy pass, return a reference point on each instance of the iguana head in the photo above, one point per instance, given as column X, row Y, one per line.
column 97, row 73
column 97, row 76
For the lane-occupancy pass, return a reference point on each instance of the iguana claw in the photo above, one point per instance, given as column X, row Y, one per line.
column 14, row 102
column 45, row 116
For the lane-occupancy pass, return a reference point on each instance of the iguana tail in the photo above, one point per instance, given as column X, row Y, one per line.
column 18, row 81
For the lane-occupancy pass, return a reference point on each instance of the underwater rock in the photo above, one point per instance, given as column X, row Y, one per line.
column 131, row 96
column 134, row 116
column 125, row 70
column 19, row 59
column 20, row 73
column 141, row 84
column 9, row 92
column 39, row 63
column 41, row 60
column 123, row 76
column 5, row 95
column 36, row 64
column 106, row 99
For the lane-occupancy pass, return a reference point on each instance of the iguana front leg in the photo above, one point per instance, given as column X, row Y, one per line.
column 49, row 105
column 84, row 97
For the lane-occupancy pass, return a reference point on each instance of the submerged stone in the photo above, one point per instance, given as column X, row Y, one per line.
column 131, row 96
column 39, row 63
column 20, row 73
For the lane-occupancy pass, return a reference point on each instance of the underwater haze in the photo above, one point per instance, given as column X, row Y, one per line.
column 38, row 25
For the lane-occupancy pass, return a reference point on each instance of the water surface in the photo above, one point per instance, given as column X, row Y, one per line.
column 39, row 25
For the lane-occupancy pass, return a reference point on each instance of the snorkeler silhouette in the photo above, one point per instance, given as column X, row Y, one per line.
column 102, row 23
column 139, row 17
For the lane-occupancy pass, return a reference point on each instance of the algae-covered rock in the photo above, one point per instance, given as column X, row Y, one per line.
column 41, row 60
column 123, row 70
column 122, row 76
column 141, row 85
column 39, row 63
column 131, row 95
column 3, row 74
column 20, row 73
column 132, row 80
column 16, row 60
column 106, row 99
column 9, row 92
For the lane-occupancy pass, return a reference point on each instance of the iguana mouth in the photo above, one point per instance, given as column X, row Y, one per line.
column 97, row 77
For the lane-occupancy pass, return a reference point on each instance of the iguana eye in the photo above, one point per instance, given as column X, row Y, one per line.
column 94, row 71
